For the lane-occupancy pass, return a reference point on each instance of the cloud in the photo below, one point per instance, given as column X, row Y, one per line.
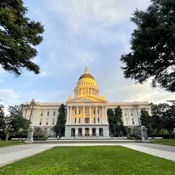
column 1, row 80
column 8, row 93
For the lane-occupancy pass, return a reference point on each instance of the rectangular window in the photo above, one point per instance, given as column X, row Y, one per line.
column 54, row 113
column 97, row 111
column 75, row 111
column 75, row 120
column 98, row 120
column 94, row 120
column 40, row 121
column 132, row 121
column 94, row 111
column 86, row 120
column 131, row 114
column 125, row 114
column 48, row 113
column 53, row 121
column 126, row 121
column 47, row 121
column 79, row 112
column 41, row 113
column 79, row 120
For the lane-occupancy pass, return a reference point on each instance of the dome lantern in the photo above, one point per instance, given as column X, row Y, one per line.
column 86, row 71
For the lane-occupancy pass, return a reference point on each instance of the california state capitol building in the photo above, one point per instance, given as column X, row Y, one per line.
column 86, row 111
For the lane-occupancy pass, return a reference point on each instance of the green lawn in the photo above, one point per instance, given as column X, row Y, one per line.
column 91, row 160
column 10, row 143
column 164, row 142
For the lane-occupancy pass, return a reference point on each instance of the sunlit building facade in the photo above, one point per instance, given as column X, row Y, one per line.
column 86, row 111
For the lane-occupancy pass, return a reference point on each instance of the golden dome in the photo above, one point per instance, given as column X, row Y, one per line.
column 86, row 75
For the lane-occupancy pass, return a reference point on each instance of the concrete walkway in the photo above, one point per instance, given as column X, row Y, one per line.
column 14, row 153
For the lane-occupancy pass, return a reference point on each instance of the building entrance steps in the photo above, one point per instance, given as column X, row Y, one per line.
column 101, row 141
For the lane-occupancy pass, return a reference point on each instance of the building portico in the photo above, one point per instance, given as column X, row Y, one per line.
column 86, row 111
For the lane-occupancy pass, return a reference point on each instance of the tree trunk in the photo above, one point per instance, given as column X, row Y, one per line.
column 7, row 137
column 170, row 134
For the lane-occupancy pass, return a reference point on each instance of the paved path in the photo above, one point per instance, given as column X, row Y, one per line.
column 14, row 153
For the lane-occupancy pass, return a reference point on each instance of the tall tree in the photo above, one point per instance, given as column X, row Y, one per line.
column 14, row 121
column 164, row 117
column 153, row 46
column 119, row 123
column 145, row 118
column 112, row 121
column 59, row 128
column 18, row 35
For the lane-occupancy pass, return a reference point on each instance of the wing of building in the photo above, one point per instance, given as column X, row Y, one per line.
column 86, row 111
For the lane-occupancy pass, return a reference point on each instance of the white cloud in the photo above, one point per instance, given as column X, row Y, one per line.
column 1, row 80
column 8, row 93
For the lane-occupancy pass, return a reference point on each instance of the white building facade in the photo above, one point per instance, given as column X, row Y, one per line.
column 86, row 111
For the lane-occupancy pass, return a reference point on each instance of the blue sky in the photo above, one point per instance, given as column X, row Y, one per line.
column 80, row 34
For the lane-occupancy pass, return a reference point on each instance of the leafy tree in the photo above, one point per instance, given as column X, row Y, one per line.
column 59, row 128
column 163, row 117
column 1, row 111
column 14, row 121
column 17, row 36
column 145, row 118
column 119, row 123
column 129, row 131
column 153, row 46
column 39, row 132
column 112, row 121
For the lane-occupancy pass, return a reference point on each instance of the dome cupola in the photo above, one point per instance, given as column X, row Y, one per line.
column 86, row 85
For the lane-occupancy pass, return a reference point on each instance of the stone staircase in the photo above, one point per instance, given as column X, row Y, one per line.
column 88, row 140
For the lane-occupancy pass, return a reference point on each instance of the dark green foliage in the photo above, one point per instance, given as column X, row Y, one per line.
column 1, row 111
column 153, row 46
column 14, row 121
column 163, row 117
column 112, row 121
column 115, row 122
column 59, row 128
column 120, row 129
column 145, row 118
column 17, row 36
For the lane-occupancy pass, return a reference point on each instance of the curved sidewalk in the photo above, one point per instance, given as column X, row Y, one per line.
column 14, row 153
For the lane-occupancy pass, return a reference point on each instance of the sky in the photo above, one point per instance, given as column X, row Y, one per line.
column 80, row 34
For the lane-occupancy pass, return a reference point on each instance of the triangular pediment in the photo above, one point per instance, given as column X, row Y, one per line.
column 87, row 98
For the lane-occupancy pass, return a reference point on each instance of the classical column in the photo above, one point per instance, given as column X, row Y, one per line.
column 36, row 117
column 102, row 114
column 50, row 117
column 97, row 131
column 89, row 114
column 83, row 132
column 90, row 132
column 70, row 114
column 83, row 114
column 96, row 114
column 43, row 118
column 68, row 118
column 128, row 115
column 106, row 114
column 77, row 115
column 76, row 132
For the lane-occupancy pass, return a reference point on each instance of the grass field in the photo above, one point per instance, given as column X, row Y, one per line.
column 10, row 143
column 164, row 142
column 91, row 160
